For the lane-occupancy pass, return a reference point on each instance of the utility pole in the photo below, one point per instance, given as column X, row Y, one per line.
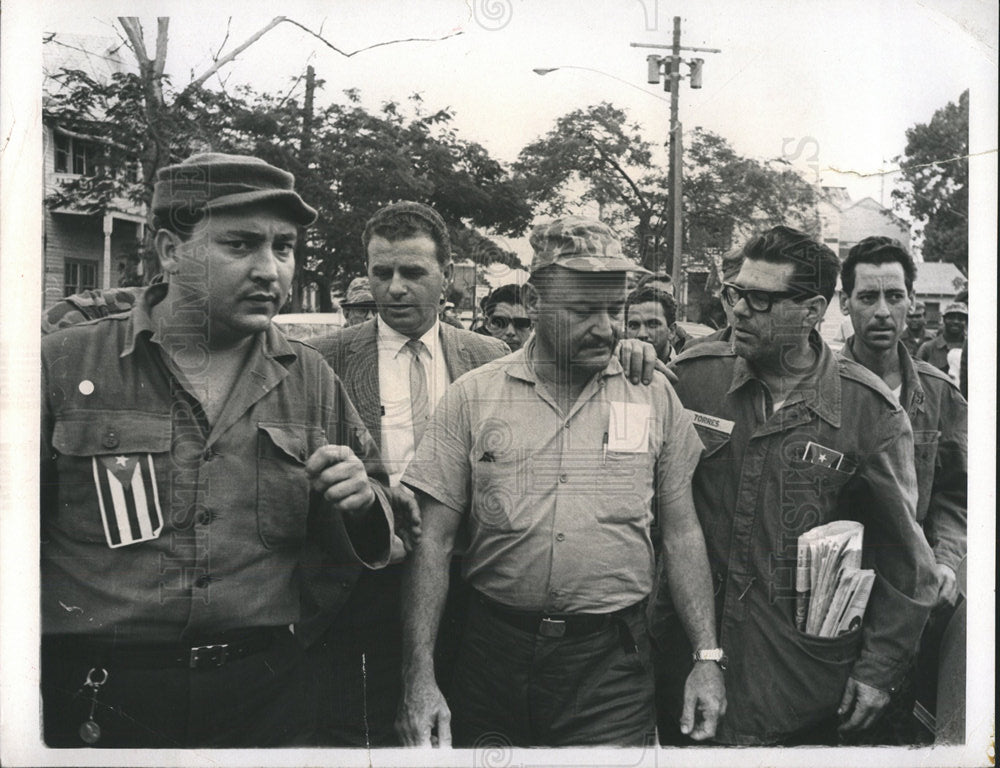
column 670, row 68
column 305, row 150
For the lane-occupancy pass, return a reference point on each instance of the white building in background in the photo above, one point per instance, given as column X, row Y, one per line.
column 81, row 250
column 844, row 222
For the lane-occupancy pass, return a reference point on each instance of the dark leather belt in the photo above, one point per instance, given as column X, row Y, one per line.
column 230, row 646
column 555, row 624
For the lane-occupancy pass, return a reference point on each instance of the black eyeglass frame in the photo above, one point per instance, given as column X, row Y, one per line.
column 759, row 300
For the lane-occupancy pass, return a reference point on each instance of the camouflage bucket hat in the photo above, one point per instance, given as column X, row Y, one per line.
column 359, row 294
column 580, row 244
column 956, row 308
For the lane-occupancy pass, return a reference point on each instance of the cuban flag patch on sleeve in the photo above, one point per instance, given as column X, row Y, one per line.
column 127, row 494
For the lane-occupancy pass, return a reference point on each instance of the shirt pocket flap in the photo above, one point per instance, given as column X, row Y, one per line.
column 290, row 439
column 926, row 436
column 95, row 433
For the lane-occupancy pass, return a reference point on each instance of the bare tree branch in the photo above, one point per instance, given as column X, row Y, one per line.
column 225, row 40
column 96, row 139
column 348, row 54
column 162, row 23
column 216, row 66
column 133, row 31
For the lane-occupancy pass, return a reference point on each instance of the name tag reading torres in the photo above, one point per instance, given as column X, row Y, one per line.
column 712, row 422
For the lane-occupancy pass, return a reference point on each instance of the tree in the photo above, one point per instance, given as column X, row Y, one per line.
column 348, row 161
column 140, row 118
column 598, row 151
column 935, row 189
column 726, row 196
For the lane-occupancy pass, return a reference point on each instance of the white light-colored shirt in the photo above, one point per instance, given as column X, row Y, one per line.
column 394, row 391
column 557, row 505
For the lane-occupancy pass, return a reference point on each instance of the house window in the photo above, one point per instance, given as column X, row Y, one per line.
column 76, row 156
column 79, row 276
column 62, row 153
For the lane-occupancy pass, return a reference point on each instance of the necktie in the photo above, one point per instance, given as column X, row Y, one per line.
column 419, row 401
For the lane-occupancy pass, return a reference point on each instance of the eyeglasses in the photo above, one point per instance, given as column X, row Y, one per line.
column 759, row 301
column 500, row 323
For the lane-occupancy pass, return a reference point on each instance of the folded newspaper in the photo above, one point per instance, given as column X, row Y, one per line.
column 832, row 588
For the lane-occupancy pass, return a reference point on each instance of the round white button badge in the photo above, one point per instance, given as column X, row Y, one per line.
column 86, row 387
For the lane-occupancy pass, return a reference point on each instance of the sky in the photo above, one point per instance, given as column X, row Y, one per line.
column 829, row 86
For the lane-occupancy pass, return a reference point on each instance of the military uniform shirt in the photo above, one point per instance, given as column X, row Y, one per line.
column 839, row 448
column 156, row 527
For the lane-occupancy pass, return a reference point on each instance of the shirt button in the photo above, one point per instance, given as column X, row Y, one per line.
column 560, row 537
column 204, row 517
column 209, row 454
column 566, row 425
column 202, row 581
column 563, row 478
column 110, row 439
column 303, row 454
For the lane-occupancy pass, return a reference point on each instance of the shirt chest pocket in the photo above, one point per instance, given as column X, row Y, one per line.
column 282, row 484
column 112, row 476
column 813, row 468
column 500, row 492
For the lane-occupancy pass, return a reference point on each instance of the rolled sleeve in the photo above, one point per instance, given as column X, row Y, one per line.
column 440, row 467
column 680, row 451
column 905, row 583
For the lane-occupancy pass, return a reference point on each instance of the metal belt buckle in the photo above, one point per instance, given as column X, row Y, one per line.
column 205, row 655
column 552, row 627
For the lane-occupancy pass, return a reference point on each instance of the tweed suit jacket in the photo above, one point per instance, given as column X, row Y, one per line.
column 353, row 354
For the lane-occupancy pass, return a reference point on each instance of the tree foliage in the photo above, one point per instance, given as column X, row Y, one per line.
column 728, row 197
column 935, row 189
column 348, row 161
column 595, row 155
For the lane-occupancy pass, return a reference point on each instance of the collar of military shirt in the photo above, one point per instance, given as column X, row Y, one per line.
column 912, row 396
column 819, row 391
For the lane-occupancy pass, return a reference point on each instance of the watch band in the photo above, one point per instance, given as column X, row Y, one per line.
column 711, row 654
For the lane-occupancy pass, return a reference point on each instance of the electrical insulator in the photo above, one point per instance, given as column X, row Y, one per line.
column 696, row 65
column 653, row 69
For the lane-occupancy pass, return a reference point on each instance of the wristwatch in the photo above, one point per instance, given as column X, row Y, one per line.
column 712, row 654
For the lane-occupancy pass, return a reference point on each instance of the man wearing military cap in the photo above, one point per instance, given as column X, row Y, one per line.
column 549, row 460
column 952, row 337
column 358, row 303
column 188, row 451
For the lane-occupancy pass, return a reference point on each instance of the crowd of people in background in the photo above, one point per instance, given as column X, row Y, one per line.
column 572, row 525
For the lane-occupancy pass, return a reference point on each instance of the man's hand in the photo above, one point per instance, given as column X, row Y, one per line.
column 406, row 512
column 861, row 704
column 947, row 585
column 423, row 709
column 704, row 701
column 639, row 360
column 339, row 476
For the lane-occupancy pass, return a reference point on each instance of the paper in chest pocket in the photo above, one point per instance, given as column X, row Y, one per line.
column 628, row 427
